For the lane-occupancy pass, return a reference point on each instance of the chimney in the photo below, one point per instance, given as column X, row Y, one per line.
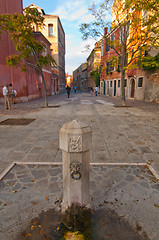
column 96, row 44
column 105, row 31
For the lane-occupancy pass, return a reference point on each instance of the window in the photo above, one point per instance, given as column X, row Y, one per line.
column 107, row 45
column 100, row 68
column 59, row 34
column 140, row 81
column 111, row 83
column 113, row 39
column 118, row 83
column 125, row 82
column 45, row 50
column 110, row 67
column 50, row 29
column 119, row 63
column 121, row 34
column 102, row 50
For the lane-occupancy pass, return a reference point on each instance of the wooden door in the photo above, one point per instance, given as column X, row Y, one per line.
column 132, row 88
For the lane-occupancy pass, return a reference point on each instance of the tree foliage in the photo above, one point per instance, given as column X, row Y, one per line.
column 150, row 63
column 96, row 77
column 20, row 27
column 136, row 25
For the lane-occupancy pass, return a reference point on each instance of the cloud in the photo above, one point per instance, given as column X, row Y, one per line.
column 78, row 48
column 72, row 11
column 72, row 14
column 87, row 18
column 73, row 63
column 76, row 54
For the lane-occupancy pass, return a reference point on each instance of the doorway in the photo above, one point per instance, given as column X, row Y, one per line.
column 132, row 88
column 107, row 87
column 52, row 86
column 104, row 89
column 114, row 87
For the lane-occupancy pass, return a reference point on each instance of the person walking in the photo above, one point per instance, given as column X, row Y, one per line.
column 6, row 97
column 96, row 90
column 12, row 93
column 68, row 91
column 91, row 91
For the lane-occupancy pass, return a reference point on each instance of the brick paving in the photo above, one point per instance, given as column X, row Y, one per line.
column 120, row 135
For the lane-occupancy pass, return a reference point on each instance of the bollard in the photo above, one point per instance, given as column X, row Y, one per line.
column 75, row 141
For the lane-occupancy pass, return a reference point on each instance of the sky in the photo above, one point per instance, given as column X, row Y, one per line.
column 71, row 13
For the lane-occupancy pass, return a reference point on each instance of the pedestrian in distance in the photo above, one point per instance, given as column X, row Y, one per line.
column 6, row 97
column 75, row 88
column 12, row 93
column 68, row 91
column 91, row 91
column 96, row 90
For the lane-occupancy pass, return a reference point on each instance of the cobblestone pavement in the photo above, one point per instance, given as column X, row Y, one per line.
column 120, row 135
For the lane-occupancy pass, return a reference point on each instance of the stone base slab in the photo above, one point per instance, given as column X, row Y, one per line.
column 131, row 191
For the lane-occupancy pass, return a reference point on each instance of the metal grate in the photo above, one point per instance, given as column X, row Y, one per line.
column 17, row 121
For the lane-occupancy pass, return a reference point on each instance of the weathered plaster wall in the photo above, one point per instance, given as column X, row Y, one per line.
column 152, row 87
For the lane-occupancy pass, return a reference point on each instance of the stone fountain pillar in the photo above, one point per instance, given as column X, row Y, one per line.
column 75, row 141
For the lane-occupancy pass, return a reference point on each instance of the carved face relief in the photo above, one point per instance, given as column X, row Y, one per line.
column 75, row 169
column 75, row 143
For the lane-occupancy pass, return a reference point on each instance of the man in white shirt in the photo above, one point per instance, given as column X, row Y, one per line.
column 6, row 97
column 96, row 90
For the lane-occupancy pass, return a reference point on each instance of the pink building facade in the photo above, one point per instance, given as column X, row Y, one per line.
column 27, row 84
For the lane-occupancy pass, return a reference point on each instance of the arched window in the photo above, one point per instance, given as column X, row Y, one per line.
column 50, row 29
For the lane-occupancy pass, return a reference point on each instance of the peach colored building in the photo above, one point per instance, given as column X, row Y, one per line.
column 80, row 77
column 93, row 63
column 139, row 84
column 55, row 34
column 69, row 80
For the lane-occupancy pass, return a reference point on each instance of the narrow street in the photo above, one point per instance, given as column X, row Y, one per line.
column 120, row 134
column 123, row 136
